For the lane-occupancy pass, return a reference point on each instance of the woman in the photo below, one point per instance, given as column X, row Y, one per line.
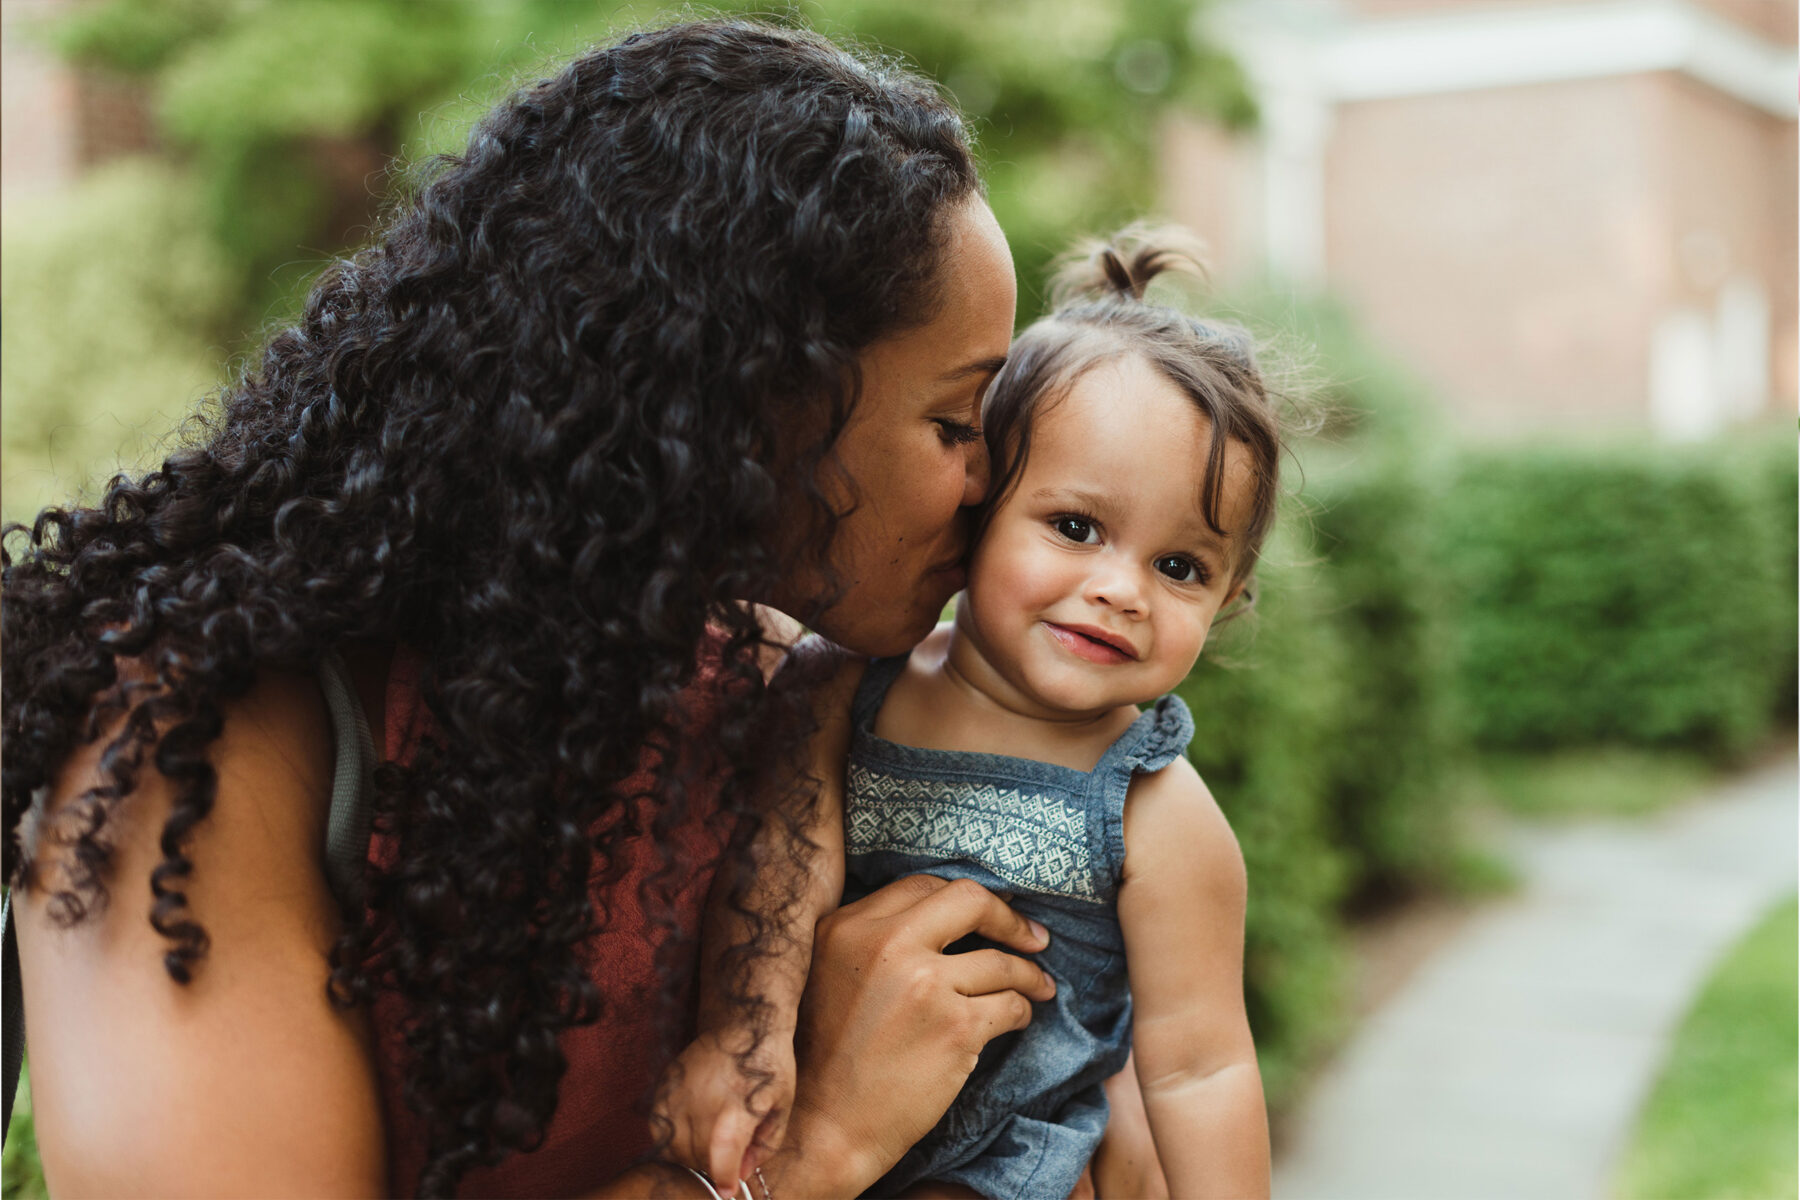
column 699, row 324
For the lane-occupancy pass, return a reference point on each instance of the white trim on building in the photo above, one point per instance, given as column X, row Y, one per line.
column 1304, row 57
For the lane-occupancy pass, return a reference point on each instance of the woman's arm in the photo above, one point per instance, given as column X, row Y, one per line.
column 1182, row 909
column 727, row 1098
column 245, row 1081
column 809, row 854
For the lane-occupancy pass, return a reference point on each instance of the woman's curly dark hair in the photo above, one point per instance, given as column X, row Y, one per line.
column 552, row 425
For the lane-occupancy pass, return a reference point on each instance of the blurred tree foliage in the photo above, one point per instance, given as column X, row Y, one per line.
column 117, row 299
column 288, row 113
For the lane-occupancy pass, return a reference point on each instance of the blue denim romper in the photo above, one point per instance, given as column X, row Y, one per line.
column 1053, row 839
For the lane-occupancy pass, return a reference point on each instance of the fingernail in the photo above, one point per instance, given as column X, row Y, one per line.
column 1043, row 934
column 1048, row 979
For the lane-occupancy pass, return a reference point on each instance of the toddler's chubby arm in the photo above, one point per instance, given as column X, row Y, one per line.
column 728, row 1096
column 1181, row 906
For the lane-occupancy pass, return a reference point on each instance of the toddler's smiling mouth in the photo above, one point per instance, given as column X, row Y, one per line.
column 1093, row 644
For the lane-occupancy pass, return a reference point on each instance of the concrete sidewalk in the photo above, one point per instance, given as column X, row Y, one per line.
column 1513, row 1064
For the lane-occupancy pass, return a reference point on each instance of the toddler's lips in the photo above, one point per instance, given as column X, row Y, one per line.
column 1094, row 645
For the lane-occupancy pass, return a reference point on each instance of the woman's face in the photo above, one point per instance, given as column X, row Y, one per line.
column 914, row 450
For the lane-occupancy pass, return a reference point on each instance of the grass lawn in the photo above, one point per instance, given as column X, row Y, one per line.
column 1720, row 1124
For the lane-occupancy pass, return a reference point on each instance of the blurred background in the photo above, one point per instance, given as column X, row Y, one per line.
column 1509, row 742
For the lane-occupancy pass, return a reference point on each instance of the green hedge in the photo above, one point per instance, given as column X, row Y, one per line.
column 1398, row 740
column 1779, row 485
column 1264, row 726
column 1630, row 594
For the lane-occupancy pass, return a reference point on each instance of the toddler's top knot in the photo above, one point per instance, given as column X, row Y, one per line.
column 1122, row 266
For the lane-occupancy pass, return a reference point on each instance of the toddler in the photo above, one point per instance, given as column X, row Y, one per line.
column 1135, row 457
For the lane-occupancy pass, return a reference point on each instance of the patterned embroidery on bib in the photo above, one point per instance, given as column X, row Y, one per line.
column 1033, row 840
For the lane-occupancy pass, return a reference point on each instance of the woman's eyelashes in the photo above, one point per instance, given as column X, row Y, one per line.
column 1179, row 568
column 957, row 433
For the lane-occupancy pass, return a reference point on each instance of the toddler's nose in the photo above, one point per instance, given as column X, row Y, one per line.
column 1117, row 588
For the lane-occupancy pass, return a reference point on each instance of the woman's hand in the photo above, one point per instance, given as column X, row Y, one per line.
column 891, row 1026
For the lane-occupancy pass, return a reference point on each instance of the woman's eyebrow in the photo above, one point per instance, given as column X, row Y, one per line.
column 981, row 366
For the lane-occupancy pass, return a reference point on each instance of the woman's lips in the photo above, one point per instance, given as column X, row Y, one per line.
column 954, row 577
column 953, row 571
column 1087, row 643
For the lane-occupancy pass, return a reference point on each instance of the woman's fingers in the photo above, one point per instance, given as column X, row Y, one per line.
column 944, row 910
column 891, row 1026
column 980, row 972
column 996, row 1013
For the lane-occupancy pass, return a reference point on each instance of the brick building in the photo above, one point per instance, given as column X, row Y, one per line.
column 56, row 119
column 1570, row 217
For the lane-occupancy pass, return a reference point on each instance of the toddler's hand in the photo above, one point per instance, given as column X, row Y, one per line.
column 727, row 1113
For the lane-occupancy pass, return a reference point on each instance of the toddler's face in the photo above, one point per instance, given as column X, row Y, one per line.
column 1098, row 578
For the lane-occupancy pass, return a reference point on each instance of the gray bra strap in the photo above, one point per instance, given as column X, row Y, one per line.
column 352, row 784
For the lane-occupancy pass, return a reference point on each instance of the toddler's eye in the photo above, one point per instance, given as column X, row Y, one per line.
column 1181, row 568
column 1077, row 529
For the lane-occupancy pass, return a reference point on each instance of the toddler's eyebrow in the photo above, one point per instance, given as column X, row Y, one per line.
column 1092, row 502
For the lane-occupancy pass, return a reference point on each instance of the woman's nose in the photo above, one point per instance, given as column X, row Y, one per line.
column 975, row 474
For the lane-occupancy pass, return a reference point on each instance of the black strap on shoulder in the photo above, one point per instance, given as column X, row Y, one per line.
column 346, row 854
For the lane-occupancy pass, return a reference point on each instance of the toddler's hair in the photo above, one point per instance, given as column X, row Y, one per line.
column 1099, row 314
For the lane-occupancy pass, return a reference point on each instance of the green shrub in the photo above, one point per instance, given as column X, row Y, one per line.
column 1396, row 741
column 1779, row 483
column 1622, row 594
column 1264, row 730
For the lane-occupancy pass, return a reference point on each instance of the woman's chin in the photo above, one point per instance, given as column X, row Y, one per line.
column 885, row 635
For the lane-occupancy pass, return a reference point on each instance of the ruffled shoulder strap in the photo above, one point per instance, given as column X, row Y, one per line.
column 1157, row 738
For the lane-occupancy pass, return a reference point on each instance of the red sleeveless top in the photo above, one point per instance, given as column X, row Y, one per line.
column 598, row 1130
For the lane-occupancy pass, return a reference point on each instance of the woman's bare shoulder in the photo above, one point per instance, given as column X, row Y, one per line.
column 273, row 760
column 135, row 1076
